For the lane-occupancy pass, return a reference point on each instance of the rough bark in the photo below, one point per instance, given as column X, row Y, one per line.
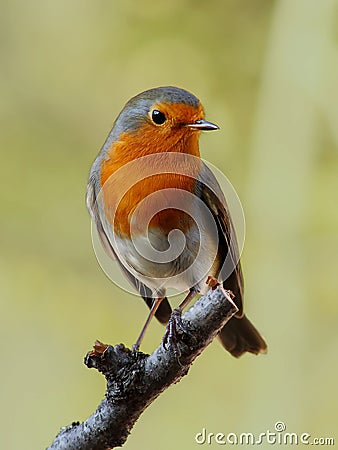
column 134, row 379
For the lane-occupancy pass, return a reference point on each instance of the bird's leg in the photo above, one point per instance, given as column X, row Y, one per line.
column 175, row 324
column 156, row 304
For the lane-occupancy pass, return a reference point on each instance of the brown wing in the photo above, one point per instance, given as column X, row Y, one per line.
column 238, row 335
column 210, row 192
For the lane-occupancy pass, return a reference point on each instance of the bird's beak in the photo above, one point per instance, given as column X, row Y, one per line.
column 202, row 125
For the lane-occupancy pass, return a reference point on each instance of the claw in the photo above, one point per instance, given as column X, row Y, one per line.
column 175, row 326
column 169, row 335
column 135, row 348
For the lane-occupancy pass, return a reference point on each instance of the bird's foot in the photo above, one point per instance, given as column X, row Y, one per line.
column 212, row 282
column 135, row 348
column 174, row 328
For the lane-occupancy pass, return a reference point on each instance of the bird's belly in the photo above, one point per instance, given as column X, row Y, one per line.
column 177, row 260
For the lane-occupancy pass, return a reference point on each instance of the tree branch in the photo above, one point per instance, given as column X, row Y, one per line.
column 134, row 379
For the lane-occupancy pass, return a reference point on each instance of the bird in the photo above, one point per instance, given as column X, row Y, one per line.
column 161, row 214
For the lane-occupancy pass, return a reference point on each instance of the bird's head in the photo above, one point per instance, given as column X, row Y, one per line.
column 161, row 119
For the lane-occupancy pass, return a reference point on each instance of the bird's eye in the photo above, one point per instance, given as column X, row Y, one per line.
column 158, row 117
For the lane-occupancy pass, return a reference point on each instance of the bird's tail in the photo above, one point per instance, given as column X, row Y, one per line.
column 239, row 336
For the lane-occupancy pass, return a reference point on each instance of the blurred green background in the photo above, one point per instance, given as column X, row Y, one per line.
column 267, row 73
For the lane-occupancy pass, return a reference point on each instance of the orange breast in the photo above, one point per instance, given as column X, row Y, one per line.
column 120, row 205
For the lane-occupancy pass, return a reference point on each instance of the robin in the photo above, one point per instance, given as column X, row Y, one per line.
column 161, row 214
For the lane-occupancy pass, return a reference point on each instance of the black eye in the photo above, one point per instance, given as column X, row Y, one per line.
column 158, row 117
